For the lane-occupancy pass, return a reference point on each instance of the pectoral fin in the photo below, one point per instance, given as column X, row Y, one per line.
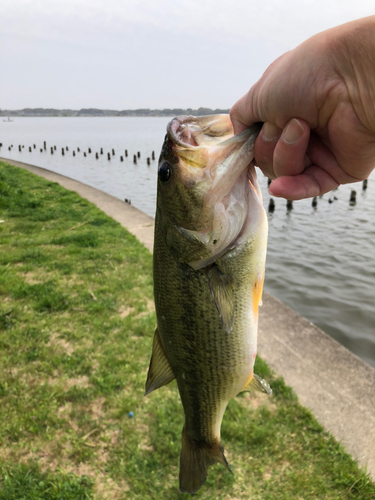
column 258, row 384
column 222, row 292
column 160, row 372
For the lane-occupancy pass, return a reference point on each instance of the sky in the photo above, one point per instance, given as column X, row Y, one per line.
column 131, row 54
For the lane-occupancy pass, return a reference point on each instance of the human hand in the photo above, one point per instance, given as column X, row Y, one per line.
column 317, row 103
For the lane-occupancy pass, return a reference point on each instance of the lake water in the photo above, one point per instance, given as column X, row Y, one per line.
column 320, row 262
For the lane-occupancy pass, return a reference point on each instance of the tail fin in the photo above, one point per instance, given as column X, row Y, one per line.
column 194, row 460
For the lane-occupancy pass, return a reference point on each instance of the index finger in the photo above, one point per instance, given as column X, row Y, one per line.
column 242, row 113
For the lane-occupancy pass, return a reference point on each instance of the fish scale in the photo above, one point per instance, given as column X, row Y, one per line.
column 207, row 282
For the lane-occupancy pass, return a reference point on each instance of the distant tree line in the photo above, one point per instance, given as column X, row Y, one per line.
column 110, row 112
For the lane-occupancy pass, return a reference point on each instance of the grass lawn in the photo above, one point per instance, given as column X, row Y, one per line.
column 76, row 327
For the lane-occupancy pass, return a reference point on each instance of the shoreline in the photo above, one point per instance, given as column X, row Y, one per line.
column 336, row 385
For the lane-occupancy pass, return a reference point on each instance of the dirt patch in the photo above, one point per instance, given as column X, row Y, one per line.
column 67, row 383
column 150, row 309
column 125, row 311
column 49, row 459
column 47, row 455
column 254, row 400
column 63, row 345
column 65, row 410
column 6, row 453
column 97, row 408
column 73, row 279
column 112, row 435
column 32, row 278
column 277, row 468
column 150, row 305
column 142, row 314
column 107, row 489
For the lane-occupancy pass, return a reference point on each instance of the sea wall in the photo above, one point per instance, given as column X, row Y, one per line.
column 337, row 386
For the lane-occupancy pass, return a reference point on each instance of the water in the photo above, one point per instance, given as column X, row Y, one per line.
column 320, row 262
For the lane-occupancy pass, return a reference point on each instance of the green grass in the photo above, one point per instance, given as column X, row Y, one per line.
column 76, row 329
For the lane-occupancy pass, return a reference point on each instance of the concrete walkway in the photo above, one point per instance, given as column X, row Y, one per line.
column 337, row 386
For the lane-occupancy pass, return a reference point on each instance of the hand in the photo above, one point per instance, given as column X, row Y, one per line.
column 317, row 103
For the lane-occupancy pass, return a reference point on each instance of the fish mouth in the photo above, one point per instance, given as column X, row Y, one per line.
column 208, row 141
column 197, row 140
column 211, row 153
column 193, row 132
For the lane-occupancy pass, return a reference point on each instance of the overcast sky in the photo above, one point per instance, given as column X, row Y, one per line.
column 132, row 54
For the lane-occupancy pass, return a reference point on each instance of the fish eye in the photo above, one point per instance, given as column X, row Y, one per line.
column 165, row 172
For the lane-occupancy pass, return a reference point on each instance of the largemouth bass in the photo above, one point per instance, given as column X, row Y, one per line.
column 209, row 258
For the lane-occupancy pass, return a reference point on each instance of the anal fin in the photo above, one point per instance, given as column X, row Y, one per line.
column 160, row 372
column 256, row 383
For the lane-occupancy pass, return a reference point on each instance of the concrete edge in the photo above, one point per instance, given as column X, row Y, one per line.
column 332, row 382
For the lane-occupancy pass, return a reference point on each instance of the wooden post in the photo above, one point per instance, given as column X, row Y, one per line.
column 353, row 197
column 101, row 151
column 113, row 152
column 364, row 184
column 67, row 148
column 84, row 154
column 271, row 206
column 44, row 145
column 62, row 151
column 289, row 204
column 109, row 156
column 30, row 149
column 78, row 150
column 139, row 154
column 89, row 150
column 51, row 150
column 74, row 153
column 153, row 155
column 97, row 156
column 121, row 158
column 314, row 202
column 134, row 159
column 148, row 161
column 126, row 152
column 34, row 146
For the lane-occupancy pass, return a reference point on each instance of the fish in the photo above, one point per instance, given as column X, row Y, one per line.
column 209, row 256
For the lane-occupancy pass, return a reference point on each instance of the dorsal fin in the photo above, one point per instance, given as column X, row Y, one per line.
column 160, row 372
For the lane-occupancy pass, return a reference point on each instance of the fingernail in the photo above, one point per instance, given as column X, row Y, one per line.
column 271, row 132
column 293, row 132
